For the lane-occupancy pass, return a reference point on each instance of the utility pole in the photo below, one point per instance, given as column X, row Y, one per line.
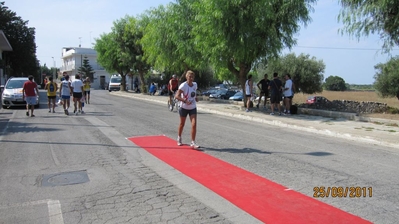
column 55, row 68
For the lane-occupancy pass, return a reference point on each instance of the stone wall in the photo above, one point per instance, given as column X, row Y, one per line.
column 363, row 107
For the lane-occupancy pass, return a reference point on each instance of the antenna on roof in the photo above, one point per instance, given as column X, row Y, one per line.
column 80, row 41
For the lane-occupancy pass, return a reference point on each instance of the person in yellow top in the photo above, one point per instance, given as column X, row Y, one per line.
column 51, row 88
column 86, row 89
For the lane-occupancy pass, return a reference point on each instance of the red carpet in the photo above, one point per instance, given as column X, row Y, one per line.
column 262, row 198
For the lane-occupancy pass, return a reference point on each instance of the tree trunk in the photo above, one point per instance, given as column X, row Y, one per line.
column 144, row 88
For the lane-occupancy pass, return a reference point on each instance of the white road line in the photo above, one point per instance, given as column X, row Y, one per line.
column 54, row 209
column 55, row 212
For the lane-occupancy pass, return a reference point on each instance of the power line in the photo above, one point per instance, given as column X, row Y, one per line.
column 345, row 48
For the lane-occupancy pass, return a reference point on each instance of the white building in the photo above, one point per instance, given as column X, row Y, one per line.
column 72, row 60
column 4, row 46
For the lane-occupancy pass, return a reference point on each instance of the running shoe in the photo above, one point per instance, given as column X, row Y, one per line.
column 179, row 141
column 194, row 145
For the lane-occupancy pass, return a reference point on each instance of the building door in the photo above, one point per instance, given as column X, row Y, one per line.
column 102, row 82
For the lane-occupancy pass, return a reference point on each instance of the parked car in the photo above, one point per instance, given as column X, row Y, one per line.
column 237, row 97
column 209, row 92
column 316, row 99
column 223, row 94
column 12, row 93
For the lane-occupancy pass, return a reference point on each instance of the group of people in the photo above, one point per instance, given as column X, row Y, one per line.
column 78, row 89
column 277, row 91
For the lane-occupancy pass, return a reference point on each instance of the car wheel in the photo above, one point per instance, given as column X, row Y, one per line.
column 4, row 107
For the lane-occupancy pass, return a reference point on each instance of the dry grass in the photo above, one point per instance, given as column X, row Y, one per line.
column 349, row 95
column 355, row 96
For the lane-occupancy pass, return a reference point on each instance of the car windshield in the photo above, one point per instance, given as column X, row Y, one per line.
column 15, row 84
column 116, row 80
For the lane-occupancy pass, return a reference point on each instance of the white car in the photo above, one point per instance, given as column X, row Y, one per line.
column 12, row 93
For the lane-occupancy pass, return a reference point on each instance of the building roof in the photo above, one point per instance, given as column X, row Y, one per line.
column 4, row 44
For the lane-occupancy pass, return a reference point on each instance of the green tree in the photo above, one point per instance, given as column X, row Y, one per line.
column 306, row 72
column 387, row 78
column 362, row 17
column 133, row 34
column 335, row 83
column 86, row 70
column 236, row 34
column 22, row 60
column 168, row 40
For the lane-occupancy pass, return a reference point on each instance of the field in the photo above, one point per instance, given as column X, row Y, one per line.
column 371, row 96
column 350, row 95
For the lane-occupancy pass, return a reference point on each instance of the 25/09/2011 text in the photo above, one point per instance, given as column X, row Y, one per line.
column 342, row 192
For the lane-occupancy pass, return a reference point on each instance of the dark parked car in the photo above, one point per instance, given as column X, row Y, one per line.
column 316, row 99
column 209, row 92
column 223, row 94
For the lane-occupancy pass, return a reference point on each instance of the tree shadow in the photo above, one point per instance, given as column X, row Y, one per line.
column 252, row 150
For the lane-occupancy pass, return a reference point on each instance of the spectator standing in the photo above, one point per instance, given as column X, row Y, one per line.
column 29, row 93
column 186, row 93
column 65, row 93
column 248, row 92
column 275, row 87
column 51, row 88
column 263, row 86
column 77, row 92
column 288, row 94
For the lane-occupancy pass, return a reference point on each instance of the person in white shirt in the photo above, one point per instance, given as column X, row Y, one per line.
column 288, row 94
column 77, row 92
column 65, row 92
column 187, row 95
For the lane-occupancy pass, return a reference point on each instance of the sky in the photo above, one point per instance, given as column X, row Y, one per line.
column 70, row 23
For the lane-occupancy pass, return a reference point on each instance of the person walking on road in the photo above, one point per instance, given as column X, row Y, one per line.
column 248, row 92
column 77, row 93
column 65, row 93
column 86, row 89
column 51, row 88
column 263, row 86
column 275, row 87
column 186, row 94
column 29, row 93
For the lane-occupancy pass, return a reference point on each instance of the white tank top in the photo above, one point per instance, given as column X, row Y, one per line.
column 247, row 90
column 66, row 91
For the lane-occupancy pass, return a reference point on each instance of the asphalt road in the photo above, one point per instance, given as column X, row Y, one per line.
column 37, row 153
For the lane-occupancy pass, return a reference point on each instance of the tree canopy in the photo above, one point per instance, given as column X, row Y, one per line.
column 306, row 72
column 22, row 60
column 387, row 78
column 363, row 17
column 236, row 34
column 335, row 83
column 86, row 70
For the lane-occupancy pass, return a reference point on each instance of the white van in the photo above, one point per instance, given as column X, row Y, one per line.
column 115, row 83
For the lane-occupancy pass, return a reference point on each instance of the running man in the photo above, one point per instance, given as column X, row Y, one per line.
column 51, row 88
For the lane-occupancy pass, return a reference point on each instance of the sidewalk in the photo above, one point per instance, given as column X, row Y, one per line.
column 365, row 130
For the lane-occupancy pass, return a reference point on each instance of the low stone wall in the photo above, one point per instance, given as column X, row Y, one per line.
column 363, row 107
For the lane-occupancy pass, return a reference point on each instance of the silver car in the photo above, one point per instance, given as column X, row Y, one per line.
column 12, row 93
